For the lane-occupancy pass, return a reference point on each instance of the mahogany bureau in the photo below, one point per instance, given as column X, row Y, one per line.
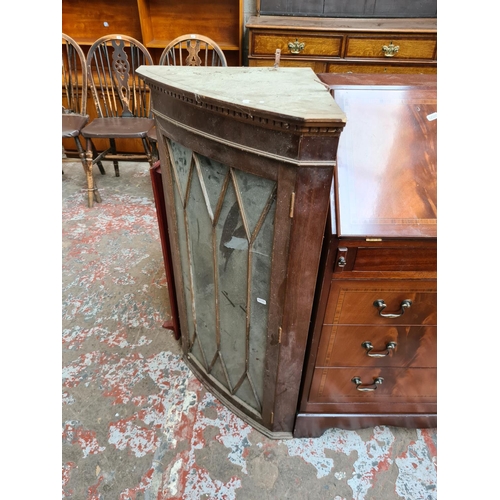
column 371, row 356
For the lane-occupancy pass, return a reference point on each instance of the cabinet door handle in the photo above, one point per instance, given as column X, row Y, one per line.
column 296, row 47
column 390, row 50
column 381, row 305
column 367, row 388
column 369, row 347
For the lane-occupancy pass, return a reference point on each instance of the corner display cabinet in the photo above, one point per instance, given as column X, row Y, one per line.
column 372, row 349
column 247, row 158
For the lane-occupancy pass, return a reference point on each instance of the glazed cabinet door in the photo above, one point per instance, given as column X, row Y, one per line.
column 231, row 260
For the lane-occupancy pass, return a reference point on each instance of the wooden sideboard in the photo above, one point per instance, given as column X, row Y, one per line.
column 372, row 347
column 343, row 45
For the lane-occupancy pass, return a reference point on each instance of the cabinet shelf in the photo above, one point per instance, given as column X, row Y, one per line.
column 85, row 20
column 155, row 23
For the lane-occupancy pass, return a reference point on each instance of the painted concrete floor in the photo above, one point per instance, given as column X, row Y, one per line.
column 137, row 425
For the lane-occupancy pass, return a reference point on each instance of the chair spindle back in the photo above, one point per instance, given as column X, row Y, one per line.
column 117, row 89
column 74, row 77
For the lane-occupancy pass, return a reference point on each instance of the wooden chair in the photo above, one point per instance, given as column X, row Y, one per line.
column 189, row 50
column 192, row 50
column 121, row 99
column 74, row 96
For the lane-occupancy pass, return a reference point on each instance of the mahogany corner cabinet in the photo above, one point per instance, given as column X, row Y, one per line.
column 247, row 158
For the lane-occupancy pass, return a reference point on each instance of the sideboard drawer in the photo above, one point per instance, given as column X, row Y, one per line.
column 396, row 346
column 391, row 48
column 314, row 64
column 370, row 258
column 291, row 43
column 342, row 45
column 360, row 302
column 393, row 67
column 340, row 385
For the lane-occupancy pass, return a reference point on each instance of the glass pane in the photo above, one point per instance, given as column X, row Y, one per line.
column 232, row 248
column 213, row 174
column 202, row 263
column 246, row 394
column 182, row 159
column 183, row 248
column 255, row 192
column 259, row 303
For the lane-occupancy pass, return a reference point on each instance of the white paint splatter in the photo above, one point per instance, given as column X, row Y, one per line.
column 370, row 454
column 173, row 478
column 417, row 476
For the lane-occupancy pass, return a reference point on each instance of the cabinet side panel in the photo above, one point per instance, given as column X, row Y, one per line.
column 309, row 218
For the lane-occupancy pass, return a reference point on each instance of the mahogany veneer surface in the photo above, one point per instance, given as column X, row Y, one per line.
column 387, row 182
column 369, row 365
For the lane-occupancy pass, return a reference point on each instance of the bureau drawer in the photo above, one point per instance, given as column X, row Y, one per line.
column 365, row 302
column 316, row 66
column 359, row 385
column 392, row 68
column 396, row 346
column 296, row 43
column 391, row 259
column 389, row 47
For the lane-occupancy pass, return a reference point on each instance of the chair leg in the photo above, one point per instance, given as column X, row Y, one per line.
column 91, row 188
column 147, row 150
column 115, row 162
column 81, row 151
column 99, row 164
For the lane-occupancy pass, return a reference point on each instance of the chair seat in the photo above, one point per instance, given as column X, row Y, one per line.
column 124, row 128
column 72, row 124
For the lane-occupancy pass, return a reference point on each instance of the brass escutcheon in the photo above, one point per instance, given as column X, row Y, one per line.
column 390, row 50
column 296, row 47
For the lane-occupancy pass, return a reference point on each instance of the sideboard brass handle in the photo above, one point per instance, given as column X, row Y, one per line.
column 390, row 50
column 381, row 305
column 367, row 388
column 369, row 348
column 296, row 47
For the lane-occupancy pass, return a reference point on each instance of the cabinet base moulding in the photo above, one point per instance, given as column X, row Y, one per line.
column 314, row 425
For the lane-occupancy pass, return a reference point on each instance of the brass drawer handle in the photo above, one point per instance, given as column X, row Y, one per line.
column 367, row 388
column 390, row 50
column 369, row 347
column 381, row 305
column 296, row 47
